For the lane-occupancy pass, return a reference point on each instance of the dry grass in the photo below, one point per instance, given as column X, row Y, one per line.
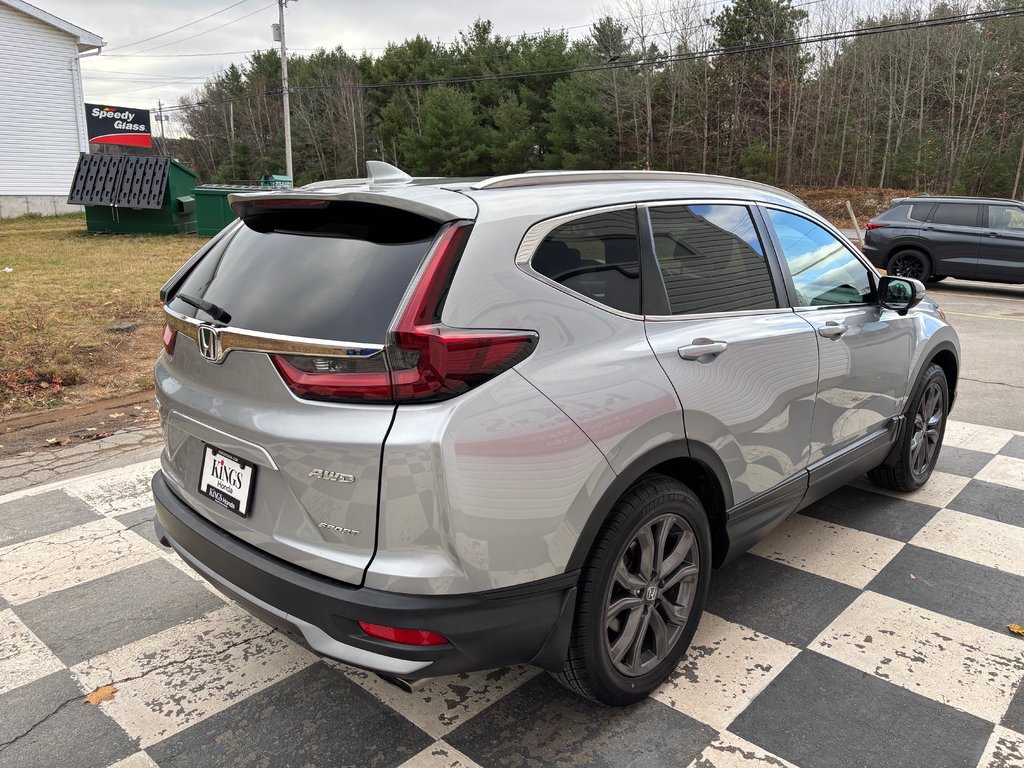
column 67, row 288
column 867, row 202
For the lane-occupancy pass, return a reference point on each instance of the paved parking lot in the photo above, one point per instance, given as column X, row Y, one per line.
column 871, row 630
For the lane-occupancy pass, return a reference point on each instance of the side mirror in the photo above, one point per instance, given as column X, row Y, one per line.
column 900, row 293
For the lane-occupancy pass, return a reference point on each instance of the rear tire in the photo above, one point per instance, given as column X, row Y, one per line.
column 641, row 593
column 913, row 459
column 909, row 263
column 937, row 278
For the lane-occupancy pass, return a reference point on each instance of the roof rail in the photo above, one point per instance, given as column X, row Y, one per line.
column 973, row 198
column 543, row 178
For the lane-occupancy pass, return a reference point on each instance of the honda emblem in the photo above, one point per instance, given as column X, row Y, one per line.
column 209, row 343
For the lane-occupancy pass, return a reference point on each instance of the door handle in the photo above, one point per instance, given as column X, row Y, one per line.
column 993, row 234
column 702, row 348
column 832, row 330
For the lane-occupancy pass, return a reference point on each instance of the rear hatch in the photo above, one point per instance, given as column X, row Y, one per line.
column 271, row 381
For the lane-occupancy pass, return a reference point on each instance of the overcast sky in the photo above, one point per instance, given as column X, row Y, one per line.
column 163, row 73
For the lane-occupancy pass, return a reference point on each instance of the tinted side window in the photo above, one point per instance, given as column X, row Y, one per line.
column 711, row 259
column 1009, row 217
column 896, row 213
column 920, row 211
column 824, row 271
column 957, row 214
column 597, row 256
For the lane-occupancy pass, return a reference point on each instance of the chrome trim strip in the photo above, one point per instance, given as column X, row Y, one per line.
column 241, row 340
column 318, row 640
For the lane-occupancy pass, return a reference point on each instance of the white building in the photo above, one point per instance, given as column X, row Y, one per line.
column 42, row 117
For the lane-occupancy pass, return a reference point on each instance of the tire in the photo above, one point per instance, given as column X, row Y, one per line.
column 909, row 263
column 913, row 459
column 937, row 278
column 605, row 662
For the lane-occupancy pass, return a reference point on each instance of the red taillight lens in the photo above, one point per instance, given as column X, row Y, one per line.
column 403, row 636
column 874, row 225
column 170, row 336
column 423, row 361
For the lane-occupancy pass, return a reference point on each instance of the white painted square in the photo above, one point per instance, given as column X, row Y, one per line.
column 940, row 489
column 1004, row 470
column 826, row 549
column 179, row 677
column 23, row 656
column 443, row 703
column 116, row 491
column 976, row 437
column 730, row 751
column 978, row 539
column 70, row 557
column 138, row 760
column 725, row 668
column 1005, row 749
column 947, row 660
column 441, row 754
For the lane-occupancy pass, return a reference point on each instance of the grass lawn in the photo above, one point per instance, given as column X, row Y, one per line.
column 66, row 289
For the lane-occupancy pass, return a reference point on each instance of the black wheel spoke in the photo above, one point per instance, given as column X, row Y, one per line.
column 627, row 636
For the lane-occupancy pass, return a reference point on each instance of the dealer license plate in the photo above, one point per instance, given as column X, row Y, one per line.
column 227, row 480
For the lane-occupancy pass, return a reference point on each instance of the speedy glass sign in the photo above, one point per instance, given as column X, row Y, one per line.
column 118, row 125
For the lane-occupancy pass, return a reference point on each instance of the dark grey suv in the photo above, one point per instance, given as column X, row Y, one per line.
column 931, row 238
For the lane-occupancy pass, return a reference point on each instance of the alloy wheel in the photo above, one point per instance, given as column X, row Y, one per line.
column 927, row 426
column 907, row 265
column 651, row 594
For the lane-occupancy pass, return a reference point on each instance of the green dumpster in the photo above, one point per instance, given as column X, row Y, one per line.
column 212, row 210
column 128, row 193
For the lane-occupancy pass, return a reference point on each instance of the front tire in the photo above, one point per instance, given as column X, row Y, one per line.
column 641, row 593
column 914, row 457
column 909, row 263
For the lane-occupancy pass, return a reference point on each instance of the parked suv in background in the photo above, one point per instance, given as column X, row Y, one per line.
column 435, row 425
column 931, row 238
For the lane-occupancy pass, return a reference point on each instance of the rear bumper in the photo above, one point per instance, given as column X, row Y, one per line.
column 530, row 623
column 874, row 254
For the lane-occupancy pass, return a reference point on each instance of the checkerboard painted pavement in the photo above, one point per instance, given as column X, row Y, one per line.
column 870, row 630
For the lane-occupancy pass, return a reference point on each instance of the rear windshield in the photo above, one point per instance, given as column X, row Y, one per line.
column 339, row 278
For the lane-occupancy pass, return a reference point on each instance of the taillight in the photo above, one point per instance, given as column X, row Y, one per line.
column 424, row 360
column 170, row 336
column 874, row 225
column 403, row 636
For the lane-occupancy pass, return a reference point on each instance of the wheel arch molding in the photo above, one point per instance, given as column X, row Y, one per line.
column 694, row 464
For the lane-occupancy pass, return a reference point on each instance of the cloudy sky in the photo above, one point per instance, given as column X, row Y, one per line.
column 136, row 71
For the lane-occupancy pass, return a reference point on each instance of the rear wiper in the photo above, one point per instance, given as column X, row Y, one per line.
column 217, row 313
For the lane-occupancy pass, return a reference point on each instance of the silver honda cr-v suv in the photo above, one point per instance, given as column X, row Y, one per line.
column 435, row 425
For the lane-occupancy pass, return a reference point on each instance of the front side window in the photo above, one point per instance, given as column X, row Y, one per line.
column 956, row 214
column 1007, row 217
column 711, row 259
column 597, row 256
column 824, row 270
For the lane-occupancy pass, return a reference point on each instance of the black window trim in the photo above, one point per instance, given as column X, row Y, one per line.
column 779, row 254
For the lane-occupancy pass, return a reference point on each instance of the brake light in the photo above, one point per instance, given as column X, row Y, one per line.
column 170, row 336
column 403, row 636
column 874, row 225
column 423, row 360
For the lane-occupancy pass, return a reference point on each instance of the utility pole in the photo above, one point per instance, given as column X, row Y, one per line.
column 279, row 34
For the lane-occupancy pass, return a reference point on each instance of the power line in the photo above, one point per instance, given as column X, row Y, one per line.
column 176, row 29
column 654, row 61
column 204, row 32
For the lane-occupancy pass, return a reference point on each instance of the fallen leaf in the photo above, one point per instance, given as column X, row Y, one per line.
column 1017, row 629
column 101, row 694
column 913, row 577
